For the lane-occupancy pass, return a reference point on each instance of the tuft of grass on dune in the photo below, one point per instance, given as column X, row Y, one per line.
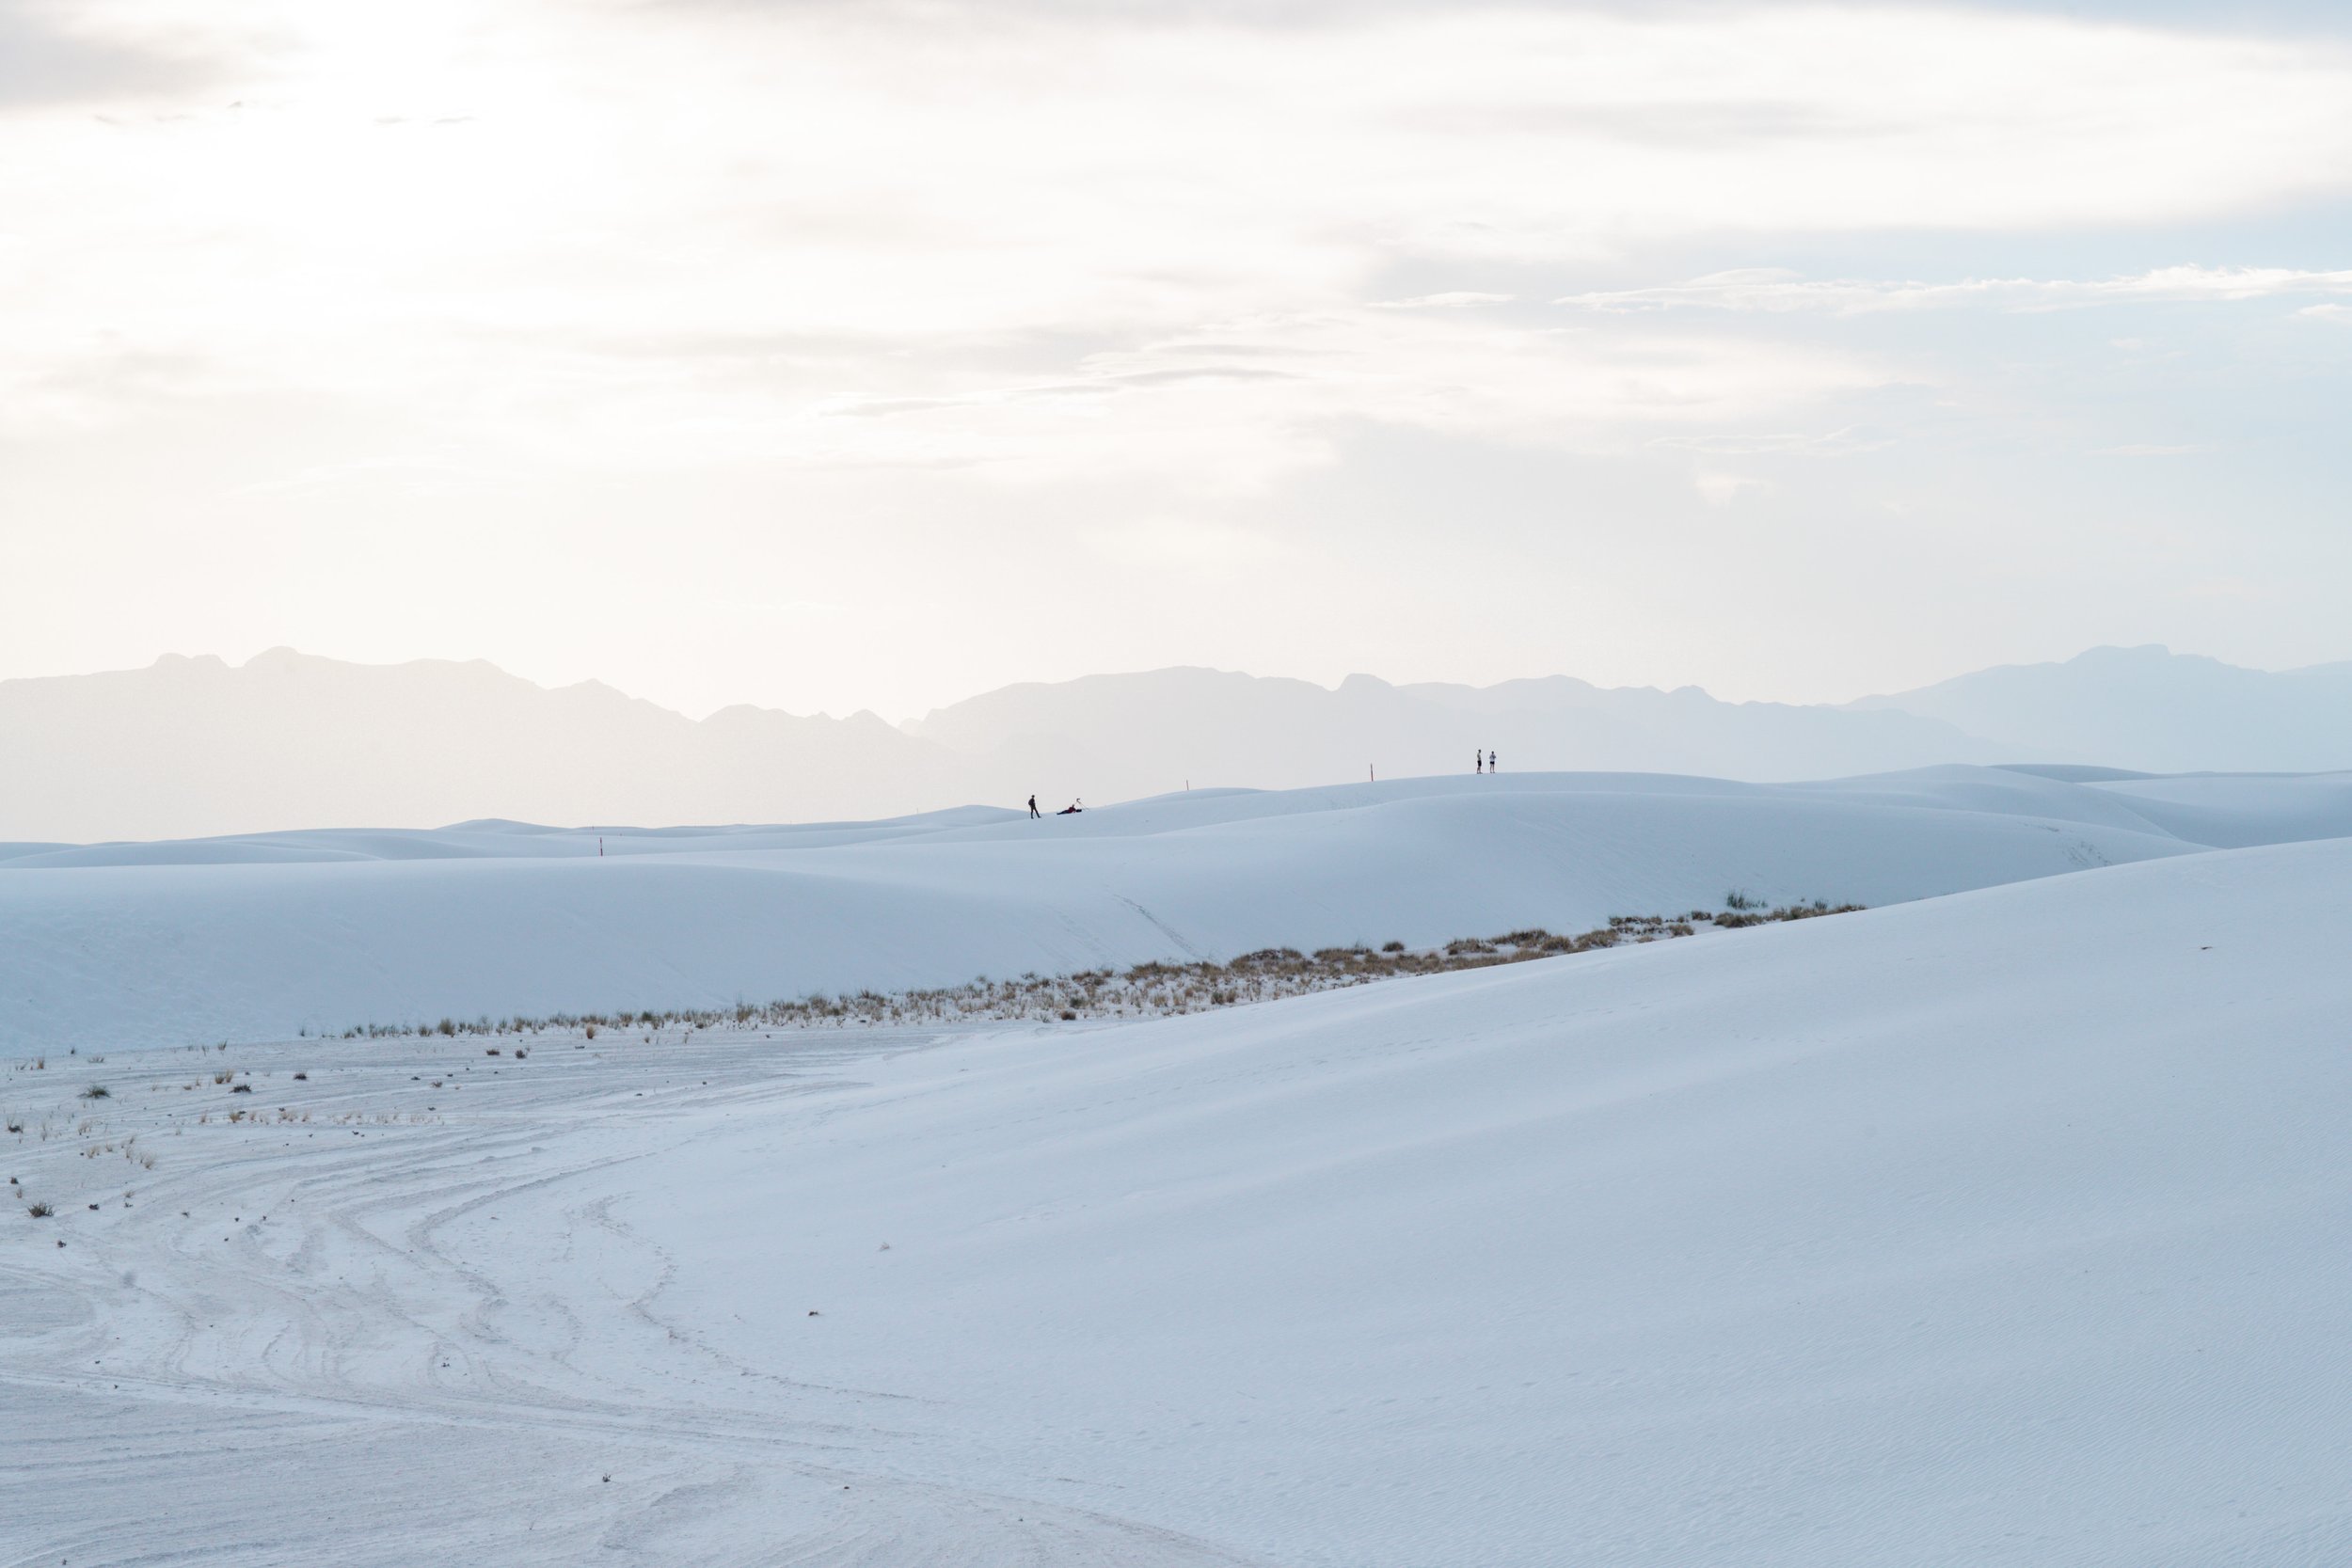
column 1143, row 991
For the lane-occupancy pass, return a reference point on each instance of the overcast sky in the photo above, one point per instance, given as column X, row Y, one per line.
column 870, row 355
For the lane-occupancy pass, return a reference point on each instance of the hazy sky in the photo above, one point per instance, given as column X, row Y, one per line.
column 868, row 354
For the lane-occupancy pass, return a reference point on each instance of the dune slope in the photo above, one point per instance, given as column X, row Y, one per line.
column 261, row 936
column 2008, row 1227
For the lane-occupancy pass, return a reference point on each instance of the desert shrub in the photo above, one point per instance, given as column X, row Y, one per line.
column 1808, row 911
column 40, row 1210
column 98, row 1092
column 1154, row 988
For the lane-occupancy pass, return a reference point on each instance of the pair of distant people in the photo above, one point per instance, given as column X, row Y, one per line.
column 1480, row 762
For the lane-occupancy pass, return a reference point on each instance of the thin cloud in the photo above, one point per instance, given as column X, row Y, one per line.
column 1781, row 292
column 1719, row 489
column 1836, row 443
column 44, row 64
column 1201, row 373
column 1457, row 299
column 1100, row 386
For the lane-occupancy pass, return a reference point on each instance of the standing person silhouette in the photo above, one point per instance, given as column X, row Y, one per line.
column 1490, row 764
column 1033, row 811
column 1478, row 762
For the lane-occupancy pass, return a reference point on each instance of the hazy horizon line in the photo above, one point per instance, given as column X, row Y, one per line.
column 900, row 723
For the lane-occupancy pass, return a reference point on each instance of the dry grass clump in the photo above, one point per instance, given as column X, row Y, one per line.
column 1144, row 990
column 1755, row 914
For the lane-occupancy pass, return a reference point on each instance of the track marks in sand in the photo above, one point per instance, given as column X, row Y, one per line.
column 430, row 1340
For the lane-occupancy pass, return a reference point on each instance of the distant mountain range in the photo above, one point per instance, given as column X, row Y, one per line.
column 2152, row 709
column 191, row 747
column 1116, row 735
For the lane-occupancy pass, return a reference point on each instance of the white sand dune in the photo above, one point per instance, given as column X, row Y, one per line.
column 260, row 937
column 2007, row 1227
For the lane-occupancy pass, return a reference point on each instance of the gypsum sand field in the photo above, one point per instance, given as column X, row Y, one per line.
column 2005, row 1228
column 266, row 937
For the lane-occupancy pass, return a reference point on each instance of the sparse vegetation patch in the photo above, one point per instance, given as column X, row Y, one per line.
column 1147, row 990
